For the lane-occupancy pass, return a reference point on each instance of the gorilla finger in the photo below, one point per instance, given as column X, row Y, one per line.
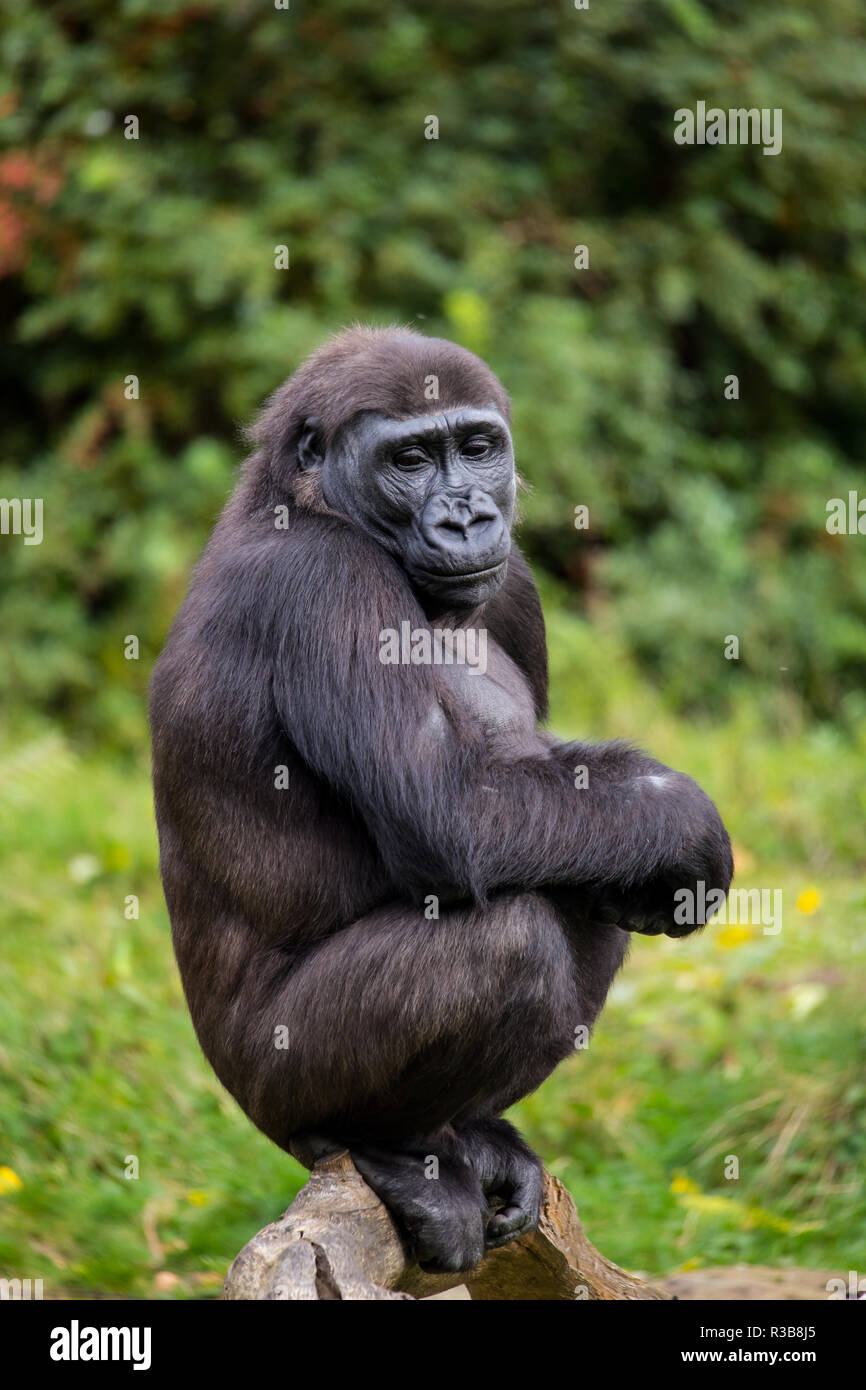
column 508, row 1224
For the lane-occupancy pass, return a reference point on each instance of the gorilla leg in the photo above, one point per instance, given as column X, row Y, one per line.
column 393, row 1026
column 502, row 991
column 488, row 1147
column 404, row 1039
column 510, row 1173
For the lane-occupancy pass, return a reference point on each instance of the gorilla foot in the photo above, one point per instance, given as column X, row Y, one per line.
column 510, row 1175
column 435, row 1198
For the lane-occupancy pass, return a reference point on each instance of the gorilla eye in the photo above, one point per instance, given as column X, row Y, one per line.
column 410, row 458
column 476, row 447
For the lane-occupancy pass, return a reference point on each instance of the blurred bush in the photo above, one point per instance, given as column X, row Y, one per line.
column 261, row 127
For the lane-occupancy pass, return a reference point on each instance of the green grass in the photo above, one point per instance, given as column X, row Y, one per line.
column 723, row 1044
column 98, row 1058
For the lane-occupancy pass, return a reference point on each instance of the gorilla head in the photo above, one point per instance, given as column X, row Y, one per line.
column 437, row 491
column 411, row 444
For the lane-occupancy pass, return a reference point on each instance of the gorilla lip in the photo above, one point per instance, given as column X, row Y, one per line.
column 459, row 574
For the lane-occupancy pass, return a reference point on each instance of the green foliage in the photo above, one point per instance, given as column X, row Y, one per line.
column 727, row 1043
column 155, row 258
column 305, row 128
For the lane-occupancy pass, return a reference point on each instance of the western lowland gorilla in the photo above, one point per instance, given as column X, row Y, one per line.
column 394, row 898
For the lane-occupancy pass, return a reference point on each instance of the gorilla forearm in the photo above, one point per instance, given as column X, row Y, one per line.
column 525, row 824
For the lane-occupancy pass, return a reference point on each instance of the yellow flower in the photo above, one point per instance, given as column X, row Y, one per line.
column 746, row 1216
column 682, row 1184
column 197, row 1199
column 9, row 1180
column 729, row 937
column 808, row 901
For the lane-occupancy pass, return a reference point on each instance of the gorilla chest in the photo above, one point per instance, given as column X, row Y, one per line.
column 492, row 692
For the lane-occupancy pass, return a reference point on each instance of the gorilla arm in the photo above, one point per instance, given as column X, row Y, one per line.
column 448, row 816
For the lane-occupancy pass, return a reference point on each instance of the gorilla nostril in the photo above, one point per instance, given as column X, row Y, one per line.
column 464, row 528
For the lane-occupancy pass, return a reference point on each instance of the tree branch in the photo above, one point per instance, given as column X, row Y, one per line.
column 337, row 1241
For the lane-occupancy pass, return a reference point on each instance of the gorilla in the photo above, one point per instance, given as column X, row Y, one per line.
column 395, row 898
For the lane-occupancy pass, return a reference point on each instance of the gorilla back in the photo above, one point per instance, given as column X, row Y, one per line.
column 391, row 904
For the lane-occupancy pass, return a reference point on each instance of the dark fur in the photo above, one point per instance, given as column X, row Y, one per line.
column 304, row 907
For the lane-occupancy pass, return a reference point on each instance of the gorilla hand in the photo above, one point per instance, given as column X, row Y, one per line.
column 684, row 888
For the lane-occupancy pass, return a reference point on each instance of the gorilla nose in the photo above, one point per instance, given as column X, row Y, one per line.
column 471, row 521
column 461, row 517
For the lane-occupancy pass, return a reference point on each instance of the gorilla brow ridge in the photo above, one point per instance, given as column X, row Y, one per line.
column 382, row 369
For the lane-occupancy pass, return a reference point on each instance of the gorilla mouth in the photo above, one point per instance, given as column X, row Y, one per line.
column 454, row 576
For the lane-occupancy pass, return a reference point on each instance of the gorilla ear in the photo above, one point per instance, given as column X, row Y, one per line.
column 310, row 453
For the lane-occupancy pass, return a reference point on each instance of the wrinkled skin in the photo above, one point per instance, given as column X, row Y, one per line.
column 437, row 493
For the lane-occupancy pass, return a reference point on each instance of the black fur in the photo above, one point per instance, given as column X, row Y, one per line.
column 303, row 908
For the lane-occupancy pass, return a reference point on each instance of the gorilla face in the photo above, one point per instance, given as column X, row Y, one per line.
column 437, row 492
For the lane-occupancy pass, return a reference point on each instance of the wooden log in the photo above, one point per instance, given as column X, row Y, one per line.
column 337, row 1241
